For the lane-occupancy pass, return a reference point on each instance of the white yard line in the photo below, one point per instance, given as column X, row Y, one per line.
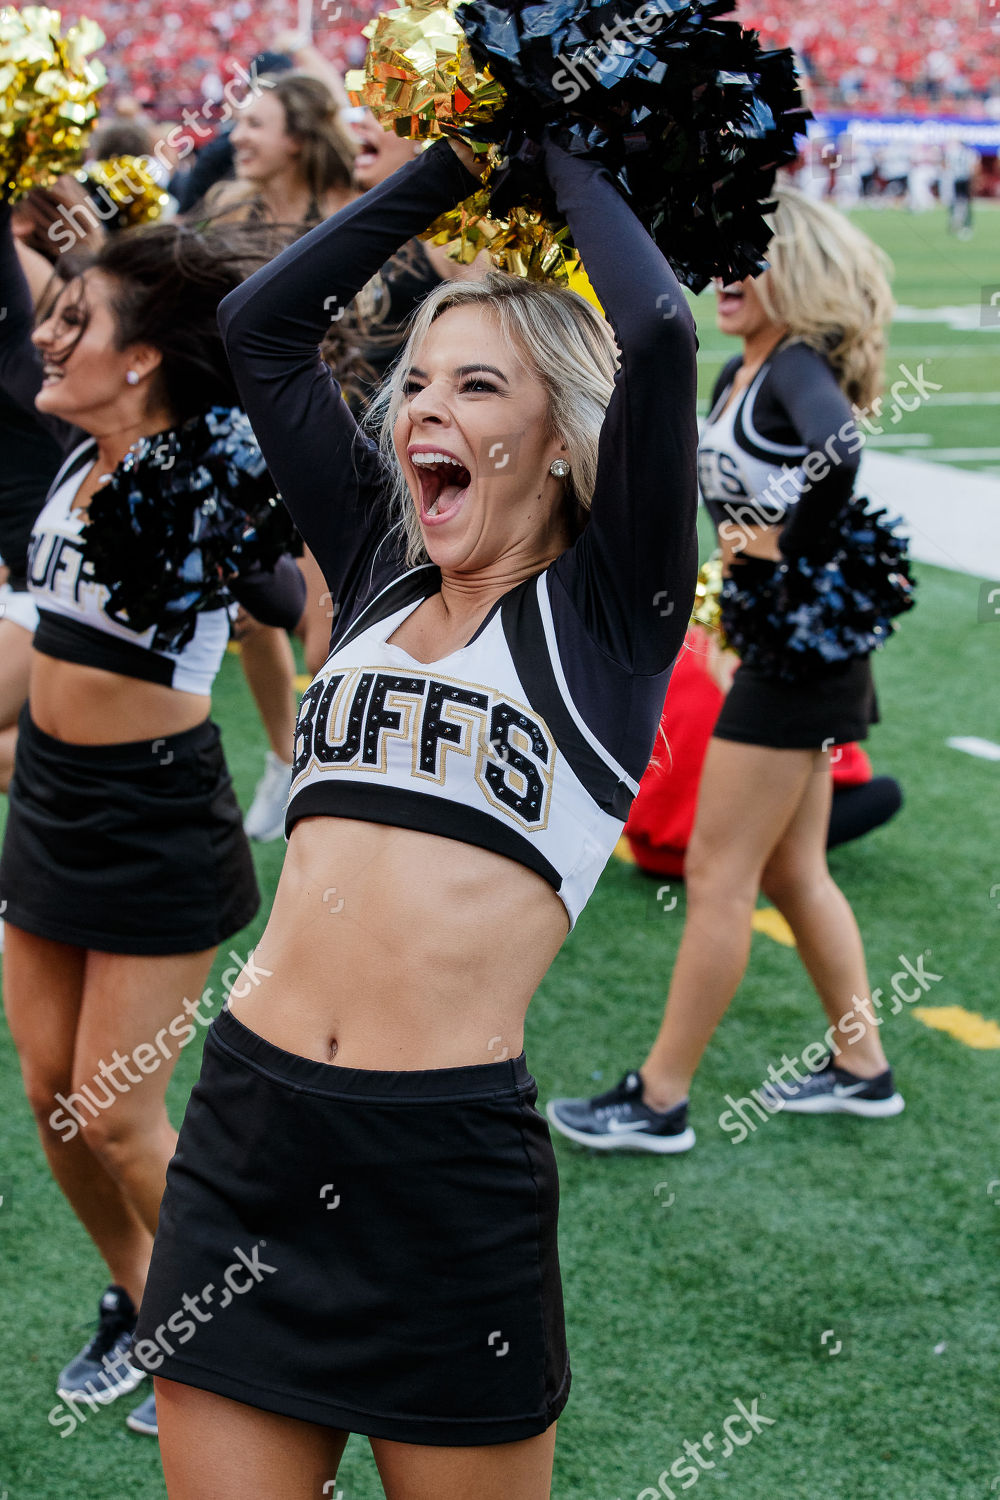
column 963, row 455
column 951, row 515
column 966, row 398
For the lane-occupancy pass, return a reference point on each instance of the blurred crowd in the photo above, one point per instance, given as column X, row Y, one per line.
column 873, row 56
column 172, row 57
column 881, row 57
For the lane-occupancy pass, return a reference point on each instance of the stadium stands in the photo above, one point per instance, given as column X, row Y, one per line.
column 884, row 57
column 171, row 57
column 871, row 56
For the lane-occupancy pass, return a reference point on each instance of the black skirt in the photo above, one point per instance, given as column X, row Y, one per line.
column 369, row 1251
column 829, row 708
column 129, row 848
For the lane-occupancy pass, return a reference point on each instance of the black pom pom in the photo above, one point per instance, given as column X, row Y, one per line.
column 185, row 512
column 688, row 114
column 792, row 619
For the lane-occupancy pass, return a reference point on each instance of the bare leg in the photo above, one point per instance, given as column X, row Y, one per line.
column 797, row 880
column 216, row 1449
column 70, row 1012
column 747, row 798
column 269, row 668
column 8, row 749
column 318, row 616
column 43, row 991
column 15, row 669
column 128, row 1004
column 502, row 1471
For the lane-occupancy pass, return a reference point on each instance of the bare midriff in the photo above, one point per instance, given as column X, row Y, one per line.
column 393, row 949
column 762, row 543
column 89, row 706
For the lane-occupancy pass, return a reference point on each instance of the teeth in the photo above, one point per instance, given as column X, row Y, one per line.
column 435, row 458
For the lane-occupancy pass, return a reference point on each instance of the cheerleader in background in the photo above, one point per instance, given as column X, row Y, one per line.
column 124, row 862
column 777, row 462
column 31, row 454
column 293, row 168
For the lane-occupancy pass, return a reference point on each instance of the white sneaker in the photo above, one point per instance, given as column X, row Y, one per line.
column 266, row 819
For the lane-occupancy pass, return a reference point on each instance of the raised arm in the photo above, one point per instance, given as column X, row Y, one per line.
column 631, row 574
column 327, row 472
column 805, row 387
column 20, row 362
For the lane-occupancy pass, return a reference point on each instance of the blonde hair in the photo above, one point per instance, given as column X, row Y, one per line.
column 561, row 340
column 829, row 284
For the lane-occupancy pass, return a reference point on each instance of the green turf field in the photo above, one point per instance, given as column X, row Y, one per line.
column 842, row 1274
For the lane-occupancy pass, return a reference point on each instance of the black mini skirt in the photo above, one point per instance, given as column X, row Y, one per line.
column 369, row 1251
column 834, row 707
column 129, row 848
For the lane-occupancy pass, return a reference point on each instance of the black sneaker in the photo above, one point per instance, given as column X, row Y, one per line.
column 619, row 1121
column 833, row 1090
column 101, row 1371
column 143, row 1418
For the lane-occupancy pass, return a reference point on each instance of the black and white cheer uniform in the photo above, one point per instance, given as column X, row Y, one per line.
column 134, row 847
column 388, row 1318
column 785, row 452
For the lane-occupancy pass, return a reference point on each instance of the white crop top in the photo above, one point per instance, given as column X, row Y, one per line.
column 74, row 619
column 463, row 747
column 743, row 475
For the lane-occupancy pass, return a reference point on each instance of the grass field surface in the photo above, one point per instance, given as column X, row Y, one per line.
column 840, row 1274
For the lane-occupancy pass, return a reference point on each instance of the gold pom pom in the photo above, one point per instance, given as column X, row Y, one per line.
column 127, row 182
column 48, row 96
column 419, row 73
column 707, row 590
column 524, row 244
column 419, row 79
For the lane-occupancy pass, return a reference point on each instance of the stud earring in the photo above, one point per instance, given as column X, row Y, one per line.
column 131, row 377
column 559, row 468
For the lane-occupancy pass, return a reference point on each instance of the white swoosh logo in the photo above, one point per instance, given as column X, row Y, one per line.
column 618, row 1127
column 843, row 1090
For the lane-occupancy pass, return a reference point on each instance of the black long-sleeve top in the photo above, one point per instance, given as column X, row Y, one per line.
column 274, row 598
column 621, row 594
column 785, row 452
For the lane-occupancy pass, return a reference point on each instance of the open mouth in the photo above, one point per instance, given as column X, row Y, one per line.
column 51, row 374
column 730, row 299
column 444, row 482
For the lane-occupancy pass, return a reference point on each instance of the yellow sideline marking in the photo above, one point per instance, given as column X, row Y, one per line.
column 772, row 924
column 767, row 919
column 964, row 1025
column 233, row 648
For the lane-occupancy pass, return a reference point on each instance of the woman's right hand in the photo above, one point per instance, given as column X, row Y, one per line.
column 470, row 161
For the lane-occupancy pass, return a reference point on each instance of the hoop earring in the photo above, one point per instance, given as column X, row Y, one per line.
column 559, row 468
column 131, row 377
